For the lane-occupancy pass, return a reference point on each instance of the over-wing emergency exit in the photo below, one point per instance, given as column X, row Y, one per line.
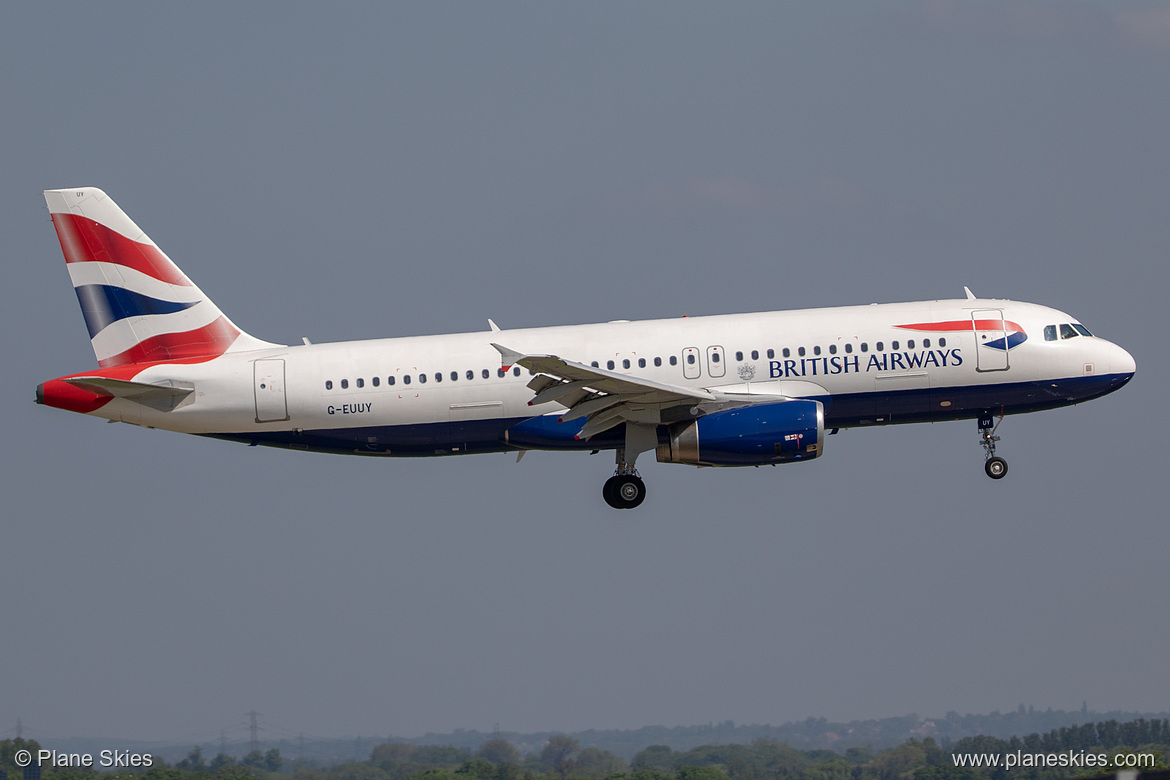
column 730, row 390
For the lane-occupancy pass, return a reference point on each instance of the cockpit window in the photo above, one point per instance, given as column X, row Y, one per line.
column 1050, row 333
column 1081, row 329
column 1067, row 332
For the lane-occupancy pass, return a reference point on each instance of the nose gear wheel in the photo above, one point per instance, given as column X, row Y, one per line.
column 994, row 466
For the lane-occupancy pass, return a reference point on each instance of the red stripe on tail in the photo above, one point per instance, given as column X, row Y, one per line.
column 207, row 342
column 84, row 241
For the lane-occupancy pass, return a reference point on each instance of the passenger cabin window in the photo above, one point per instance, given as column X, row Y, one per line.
column 470, row 374
column 657, row 361
column 344, row 384
column 942, row 342
column 674, row 360
column 454, row 376
column 690, row 359
column 406, row 379
column 328, row 384
column 787, row 352
column 501, row 373
column 516, row 371
column 361, row 382
column 832, row 349
column 864, row 347
column 626, row 363
column 486, row 374
column 390, row 380
column 739, row 356
column 894, row 345
column 926, row 343
column 714, row 357
column 880, row 346
column 641, row 362
column 848, row 349
column 376, row 381
column 1068, row 332
column 422, row 379
column 910, row 344
column 595, row 364
column 816, row 350
column 438, row 376
column 755, row 354
column 800, row 351
column 609, row 364
column 772, row 354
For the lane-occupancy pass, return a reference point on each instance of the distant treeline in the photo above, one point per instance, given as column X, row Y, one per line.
column 563, row 757
column 808, row 734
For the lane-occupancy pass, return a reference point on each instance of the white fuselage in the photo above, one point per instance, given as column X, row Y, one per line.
column 856, row 359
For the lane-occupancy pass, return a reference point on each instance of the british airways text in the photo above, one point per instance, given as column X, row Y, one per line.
column 852, row 364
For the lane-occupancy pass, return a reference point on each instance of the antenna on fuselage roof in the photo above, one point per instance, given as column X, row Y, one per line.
column 970, row 295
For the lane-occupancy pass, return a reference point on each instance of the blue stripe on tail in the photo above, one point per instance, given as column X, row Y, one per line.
column 102, row 304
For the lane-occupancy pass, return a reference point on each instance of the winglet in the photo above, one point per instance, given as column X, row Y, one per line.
column 970, row 295
column 492, row 324
column 510, row 356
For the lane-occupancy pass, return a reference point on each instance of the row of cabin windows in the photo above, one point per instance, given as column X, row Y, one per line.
column 422, row 378
column 864, row 346
column 626, row 363
column 673, row 360
column 716, row 357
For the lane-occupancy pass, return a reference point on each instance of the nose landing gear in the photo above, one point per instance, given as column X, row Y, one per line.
column 995, row 466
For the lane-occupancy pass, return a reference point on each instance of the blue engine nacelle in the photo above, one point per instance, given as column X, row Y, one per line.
column 749, row 436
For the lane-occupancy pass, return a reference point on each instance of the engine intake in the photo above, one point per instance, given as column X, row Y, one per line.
column 749, row 436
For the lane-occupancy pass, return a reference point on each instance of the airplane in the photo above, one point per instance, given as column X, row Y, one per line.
column 729, row 390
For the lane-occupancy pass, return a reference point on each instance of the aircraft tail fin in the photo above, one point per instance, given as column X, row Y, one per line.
column 138, row 306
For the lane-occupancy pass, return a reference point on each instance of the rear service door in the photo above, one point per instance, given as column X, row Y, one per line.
column 268, row 384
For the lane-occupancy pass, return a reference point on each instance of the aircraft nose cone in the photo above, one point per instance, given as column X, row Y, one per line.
column 1122, row 362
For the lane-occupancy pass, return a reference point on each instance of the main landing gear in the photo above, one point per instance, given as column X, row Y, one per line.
column 625, row 489
column 995, row 466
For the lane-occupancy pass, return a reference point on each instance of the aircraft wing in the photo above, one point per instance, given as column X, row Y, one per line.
column 608, row 398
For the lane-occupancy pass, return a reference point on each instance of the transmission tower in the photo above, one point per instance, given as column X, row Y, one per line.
column 254, row 729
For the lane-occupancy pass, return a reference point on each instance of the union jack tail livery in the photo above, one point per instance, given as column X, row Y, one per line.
column 138, row 306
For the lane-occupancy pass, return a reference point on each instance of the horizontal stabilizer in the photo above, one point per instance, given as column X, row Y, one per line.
column 164, row 397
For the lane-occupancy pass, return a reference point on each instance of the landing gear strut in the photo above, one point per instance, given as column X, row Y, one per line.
column 995, row 466
column 625, row 489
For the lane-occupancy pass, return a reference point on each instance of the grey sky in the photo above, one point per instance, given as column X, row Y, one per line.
column 344, row 171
